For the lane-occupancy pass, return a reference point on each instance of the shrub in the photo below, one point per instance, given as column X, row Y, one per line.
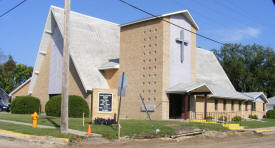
column 223, row 118
column 102, row 121
column 237, row 118
column 253, row 116
column 77, row 105
column 270, row 114
column 25, row 105
column 209, row 118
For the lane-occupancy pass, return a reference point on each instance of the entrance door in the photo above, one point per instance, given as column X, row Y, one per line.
column 175, row 106
column 179, row 106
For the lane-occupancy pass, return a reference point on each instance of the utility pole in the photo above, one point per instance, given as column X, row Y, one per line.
column 65, row 69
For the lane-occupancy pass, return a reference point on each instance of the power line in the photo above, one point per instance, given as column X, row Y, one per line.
column 12, row 8
column 170, row 22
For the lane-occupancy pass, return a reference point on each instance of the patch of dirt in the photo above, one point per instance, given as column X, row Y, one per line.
column 183, row 129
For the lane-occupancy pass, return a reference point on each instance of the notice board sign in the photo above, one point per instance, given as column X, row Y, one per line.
column 150, row 108
column 105, row 102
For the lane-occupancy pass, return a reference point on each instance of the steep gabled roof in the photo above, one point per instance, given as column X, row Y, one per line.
column 256, row 95
column 92, row 43
column 185, row 13
column 209, row 71
column 271, row 101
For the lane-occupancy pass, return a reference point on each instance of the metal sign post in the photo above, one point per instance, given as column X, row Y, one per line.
column 122, row 85
column 153, row 127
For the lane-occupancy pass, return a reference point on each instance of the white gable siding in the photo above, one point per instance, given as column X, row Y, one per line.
column 55, row 76
column 179, row 72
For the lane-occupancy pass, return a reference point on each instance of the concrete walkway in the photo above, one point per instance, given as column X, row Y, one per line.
column 71, row 131
column 259, row 129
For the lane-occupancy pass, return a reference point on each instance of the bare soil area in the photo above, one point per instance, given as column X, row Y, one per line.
column 207, row 140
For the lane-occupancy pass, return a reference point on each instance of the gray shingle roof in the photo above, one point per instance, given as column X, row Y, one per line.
column 93, row 42
column 182, row 88
column 210, row 71
column 271, row 101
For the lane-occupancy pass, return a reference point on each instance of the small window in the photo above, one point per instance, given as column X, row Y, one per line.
column 224, row 104
column 156, row 29
column 263, row 106
column 240, row 105
column 232, row 105
column 246, row 106
column 216, row 105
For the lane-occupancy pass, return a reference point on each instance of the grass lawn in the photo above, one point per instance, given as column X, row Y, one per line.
column 129, row 127
column 257, row 124
column 34, row 131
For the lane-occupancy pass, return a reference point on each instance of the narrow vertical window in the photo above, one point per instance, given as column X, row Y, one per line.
column 263, row 106
column 216, row 105
column 253, row 106
column 246, row 104
column 224, row 105
column 240, row 105
column 232, row 105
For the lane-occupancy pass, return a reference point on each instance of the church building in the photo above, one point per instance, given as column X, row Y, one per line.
column 164, row 66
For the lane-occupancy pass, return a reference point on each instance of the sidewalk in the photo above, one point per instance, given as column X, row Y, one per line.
column 71, row 131
column 261, row 130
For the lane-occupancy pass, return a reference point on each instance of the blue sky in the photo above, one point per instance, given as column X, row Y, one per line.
column 233, row 21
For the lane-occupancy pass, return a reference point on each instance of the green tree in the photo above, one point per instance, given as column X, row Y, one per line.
column 12, row 74
column 249, row 67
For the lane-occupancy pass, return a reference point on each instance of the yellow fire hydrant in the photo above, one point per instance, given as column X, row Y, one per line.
column 34, row 117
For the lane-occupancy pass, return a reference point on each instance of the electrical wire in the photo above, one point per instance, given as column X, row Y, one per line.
column 12, row 8
column 160, row 18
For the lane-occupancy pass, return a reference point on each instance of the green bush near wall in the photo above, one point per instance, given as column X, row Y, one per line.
column 237, row 118
column 25, row 105
column 77, row 105
column 253, row 116
column 270, row 114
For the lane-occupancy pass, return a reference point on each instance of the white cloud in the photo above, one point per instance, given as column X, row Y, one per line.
column 235, row 35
